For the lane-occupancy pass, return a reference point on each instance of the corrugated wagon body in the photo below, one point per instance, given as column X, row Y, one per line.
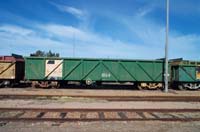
column 11, row 70
column 34, row 68
column 186, row 74
column 112, row 70
column 94, row 70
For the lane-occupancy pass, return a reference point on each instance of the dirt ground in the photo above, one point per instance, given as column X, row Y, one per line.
column 133, row 126
column 96, row 92
column 81, row 103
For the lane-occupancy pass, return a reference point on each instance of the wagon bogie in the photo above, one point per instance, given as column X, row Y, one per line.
column 187, row 86
column 45, row 84
column 150, row 85
column 191, row 86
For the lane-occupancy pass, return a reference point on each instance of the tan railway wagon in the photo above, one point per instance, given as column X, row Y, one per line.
column 11, row 70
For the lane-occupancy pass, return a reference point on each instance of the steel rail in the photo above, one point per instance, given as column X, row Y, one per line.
column 96, row 110
column 109, row 98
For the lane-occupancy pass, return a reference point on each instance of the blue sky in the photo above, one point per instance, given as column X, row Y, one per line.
column 132, row 29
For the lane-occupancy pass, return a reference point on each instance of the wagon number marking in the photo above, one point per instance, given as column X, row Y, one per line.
column 106, row 75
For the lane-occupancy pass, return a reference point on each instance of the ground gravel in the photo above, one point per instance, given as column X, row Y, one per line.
column 133, row 126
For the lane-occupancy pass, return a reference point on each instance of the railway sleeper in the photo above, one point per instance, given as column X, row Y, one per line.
column 116, row 115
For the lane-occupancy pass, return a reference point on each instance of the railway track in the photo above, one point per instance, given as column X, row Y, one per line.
column 108, row 98
column 88, row 115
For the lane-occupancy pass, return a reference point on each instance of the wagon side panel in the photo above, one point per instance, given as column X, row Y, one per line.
column 145, row 71
column 35, row 68
column 7, row 70
column 187, row 74
column 112, row 70
column 72, row 69
column 92, row 70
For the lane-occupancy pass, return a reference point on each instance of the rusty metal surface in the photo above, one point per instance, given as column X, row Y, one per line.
column 10, row 59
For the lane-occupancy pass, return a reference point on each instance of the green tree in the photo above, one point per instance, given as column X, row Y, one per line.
column 40, row 53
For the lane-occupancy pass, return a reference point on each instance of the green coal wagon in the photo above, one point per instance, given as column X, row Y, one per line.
column 45, row 71
column 185, row 74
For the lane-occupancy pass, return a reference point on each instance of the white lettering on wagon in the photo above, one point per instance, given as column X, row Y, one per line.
column 106, row 75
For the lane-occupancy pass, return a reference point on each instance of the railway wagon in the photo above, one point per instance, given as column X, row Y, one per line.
column 11, row 70
column 185, row 74
column 49, row 72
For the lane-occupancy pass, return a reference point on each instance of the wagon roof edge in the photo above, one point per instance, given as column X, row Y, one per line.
column 80, row 58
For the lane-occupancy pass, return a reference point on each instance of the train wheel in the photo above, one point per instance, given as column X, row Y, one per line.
column 34, row 84
column 55, row 84
column 1, row 84
column 181, row 87
column 44, row 84
column 142, row 86
column 152, row 86
column 8, row 84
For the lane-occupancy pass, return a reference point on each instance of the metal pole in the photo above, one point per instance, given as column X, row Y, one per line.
column 166, row 46
column 73, row 44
